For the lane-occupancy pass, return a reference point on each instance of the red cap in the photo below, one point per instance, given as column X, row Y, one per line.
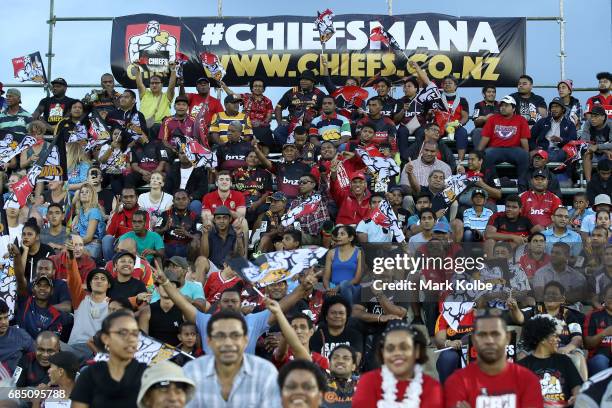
column 358, row 174
column 541, row 153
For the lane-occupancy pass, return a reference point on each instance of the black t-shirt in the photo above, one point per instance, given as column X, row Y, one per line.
column 504, row 225
column 572, row 322
column 558, row 376
column 528, row 107
column 233, row 155
column 483, row 109
column 288, row 177
column 164, row 326
column 44, row 251
column 96, row 388
column 390, row 107
column 294, row 100
column 252, row 182
column 32, row 373
column 55, row 109
column 149, row 156
column 188, row 221
column 437, row 200
column 126, row 289
column 105, row 199
column 324, row 343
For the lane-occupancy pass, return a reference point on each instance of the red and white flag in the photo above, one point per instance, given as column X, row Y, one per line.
column 307, row 207
column 325, row 25
column 29, row 68
column 213, row 64
column 384, row 216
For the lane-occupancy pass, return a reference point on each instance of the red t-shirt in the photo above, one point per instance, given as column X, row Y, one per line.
column 530, row 265
column 504, row 132
column 369, row 391
column 539, row 207
column 121, row 222
column 604, row 102
column 515, row 387
column 215, row 285
column 317, row 358
column 197, row 102
column 212, row 200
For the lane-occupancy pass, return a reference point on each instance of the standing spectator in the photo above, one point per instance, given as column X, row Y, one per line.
column 344, row 265
column 552, row 132
column 55, row 234
column 601, row 182
column 53, row 109
column 33, row 367
column 183, row 175
column 103, row 100
column 88, row 221
column 457, row 110
column 310, row 224
column 506, row 134
column 115, row 382
column 14, row 342
column 560, row 232
column 129, row 118
column 178, row 227
column 156, row 201
column 120, row 221
column 154, row 103
column 353, row 202
column 220, row 122
column 330, row 125
column 558, row 376
column 149, row 244
column 36, row 250
column 539, row 203
column 235, row 378
column 202, row 107
column 114, row 160
column 573, row 109
column 384, row 127
column 180, row 124
column 530, row 106
column 483, row 110
column 597, row 131
column 165, row 385
column 232, row 154
column 598, row 335
column 492, row 379
column 603, row 98
column 401, row 378
column 14, row 119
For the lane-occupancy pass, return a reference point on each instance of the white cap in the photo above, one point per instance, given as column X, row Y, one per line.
column 165, row 371
column 602, row 199
column 508, row 99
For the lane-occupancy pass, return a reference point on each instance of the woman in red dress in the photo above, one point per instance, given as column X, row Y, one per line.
column 400, row 382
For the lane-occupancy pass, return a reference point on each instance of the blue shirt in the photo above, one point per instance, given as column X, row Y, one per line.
column 475, row 221
column 83, row 222
column 257, row 324
column 572, row 238
column 191, row 290
column 13, row 345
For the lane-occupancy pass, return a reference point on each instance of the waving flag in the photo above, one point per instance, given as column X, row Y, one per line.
column 381, row 35
column 384, row 216
column 78, row 133
column 10, row 148
column 199, row 155
column 307, row 207
column 8, row 282
column 98, row 132
column 150, row 351
column 29, row 68
column 350, row 98
column 383, row 167
column 281, row 265
column 431, row 97
column 574, row 150
column 325, row 25
column 212, row 63
column 455, row 185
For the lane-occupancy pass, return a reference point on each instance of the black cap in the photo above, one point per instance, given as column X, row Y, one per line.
column 539, row 173
column 558, row 101
column 598, row 110
column 172, row 277
column 222, row 210
column 43, row 277
column 96, row 271
column 278, row 196
column 230, row 99
column 603, row 165
column 66, row 360
column 60, row 81
column 309, row 75
column 121, row 254
column 181, row 98
column 203, row 79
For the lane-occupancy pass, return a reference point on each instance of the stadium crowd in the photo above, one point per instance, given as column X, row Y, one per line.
column 143, row 241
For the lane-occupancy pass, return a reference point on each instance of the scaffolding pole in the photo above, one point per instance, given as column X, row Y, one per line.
column 562, row 38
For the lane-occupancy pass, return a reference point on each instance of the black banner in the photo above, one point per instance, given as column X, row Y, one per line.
column 477, row 50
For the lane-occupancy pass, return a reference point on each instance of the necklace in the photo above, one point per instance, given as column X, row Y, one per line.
column 412, row 397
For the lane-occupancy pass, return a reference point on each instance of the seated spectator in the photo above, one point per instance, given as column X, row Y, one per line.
column 178, row 227
column 53, row 109
column 530, row 106
column 505, row 137
column 475, row 219
column 149, row 244
column 435, row 188
column 156, row 201
column 78, row 165
column 534, row 256
column 310, row 224
column 33, row 367
column 482, row 111
column 55, row 193
column 55, row 234
column 427, row 222
column 142, row 269
column 352, row 201
column 559, row 231
column 114, row 160
column 189, row 344
column 220, row 238
column 307, row 146
column 88, row 221
column 597, row 334
column 603, row 203
column 579, row 210
column 184, row 175
column 538, row 204
column 14, row 342
column 232, row 154
column 165, row 384
column 598, row 132
column 120, row 221
column 508, row 225
column 36, row 249
column 384, row 127
column 124, row 285
column 432, row 134
column 333, row 329
column 129, row 118
column 341, row 376
column 590, row 394
column 177, row 129
column 330, row 126
column 559, row 378
column 31, row 155
column 602, row 278
column 225, row 196
column 255, row 183
column 573, row 108
column 445, row 337
column 553, row 131
column 191, row 290
column 297, row 330
column 288, row 172
column 413, row 115
column 85, row 263
column 63, row 369
column 14, row 119
column 559, row 270
column 60, row 296
column 162, row 319
column 220, row 122
column 368, row 230
column 145, row 159
column 603, row 98
column 344, row 265
column 268, row 224
column 219, row 281
column 601, row 182
column 416, row 173
column 390, row 106
column 154, row 102
column 539, row 160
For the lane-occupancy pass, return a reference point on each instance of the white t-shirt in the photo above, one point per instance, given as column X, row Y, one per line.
column 185, row 174
column 155, row 209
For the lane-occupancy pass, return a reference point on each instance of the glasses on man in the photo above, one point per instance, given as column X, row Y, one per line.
column 125, row 333
column 234, row 336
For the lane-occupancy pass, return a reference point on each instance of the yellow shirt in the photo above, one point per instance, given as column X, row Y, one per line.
column 148, row 103
column 220, row 122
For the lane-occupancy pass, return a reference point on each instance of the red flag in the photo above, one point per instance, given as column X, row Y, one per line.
column 197, row 148
column 22, row 189
column 181, row 58
column 379, row 218
column 378, row 34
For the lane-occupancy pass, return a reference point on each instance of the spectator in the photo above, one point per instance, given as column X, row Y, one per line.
column 602, row 202
column 476, row 172
column 115, row 382
column 535, row 256
column 33, row 367
column 165, row 384
column 232, row 154
column 310, row 224
column 559, row 378
column 149, row 244
column 36, row 250
column 598, row 132
column 251, row 379
column 303, row 101
column 600, row 183
column 114, row 160
column 449, row 343
column 14, row 342
column 308, row 146
column 539, row 160
column 120, row 221
column 156, row 201
column 219, row 281
column 268, row 226
column 591, row 394
column 554, row 131
column 85, row 263
column 603, row 98
column 178, row 227
column 475, row 218
column 60, row 296
column 31, row 155
column 482, row 111
column 508, row 225
column 63, row 369
column 129, row 118
column 55, row 234
column 333, row 329
column 288, row 172
column 53, row 109
column 88, row 221
column 194, row 180
column 102, row 101
column 506, row 134
column 456, row 116
column 391, row 107
column 344, row 265
column 125, row 285
column 559, row 270
column 154, row 103
column 369, row 231
column 55, row 193
column 432, row 135
column 202, row 107
column 384, row 127
column 538, row 204
column 220, row 122
column 413, row 113
column 602, row 277
column 530, row 106
column 348, row 107
column 559, row 231
column 14, row 119
column 174, row 129
column 220, row 238
column 579, row 210
column 330, row 126
column 352, row 202
column 189, row 344
column 492, row 377
column 573, row 109
column 224, row 196
column 254, row 182
column 597, row 334
column 301, row 375
column 435, row 189
column 78, row 165
column 401, row 367
column 189, row 289
column 417, row 172
column 142, row 269
column 341, row 377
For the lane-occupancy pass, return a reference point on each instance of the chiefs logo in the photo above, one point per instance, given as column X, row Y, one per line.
column 151, row 38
